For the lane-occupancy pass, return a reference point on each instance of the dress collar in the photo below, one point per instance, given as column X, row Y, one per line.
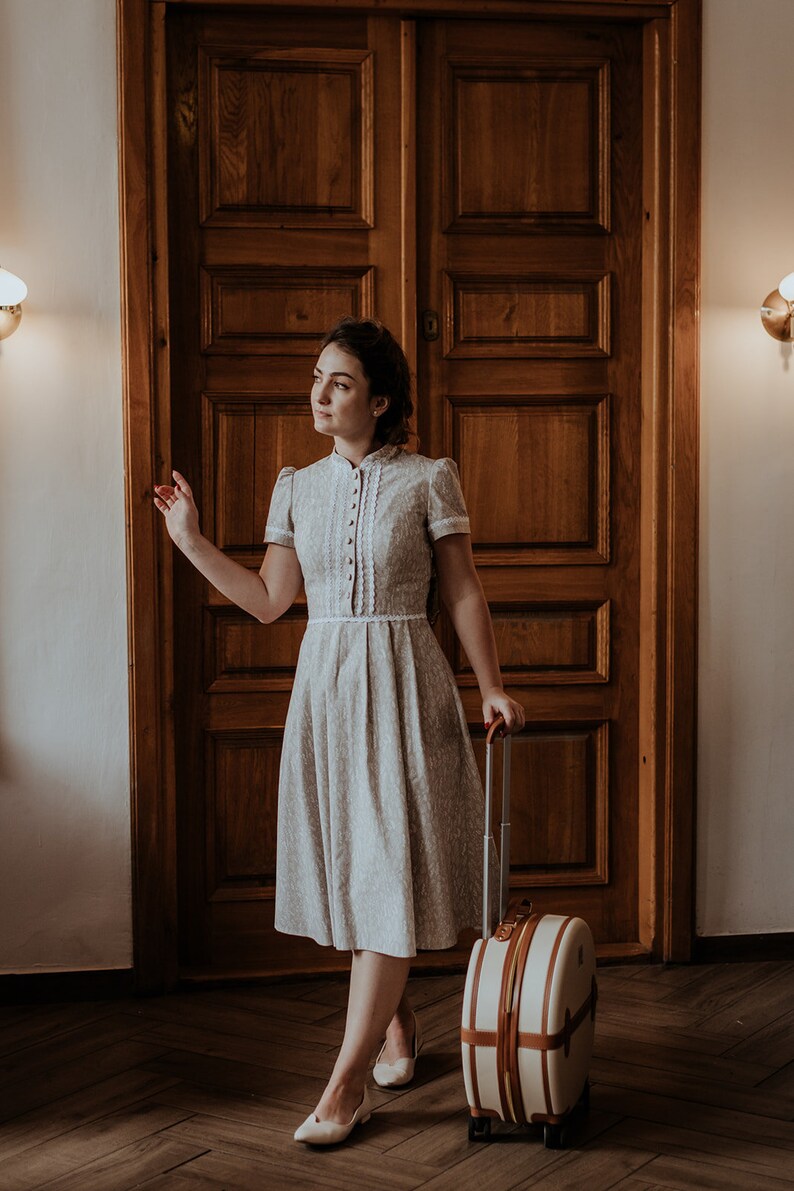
column 383, row 453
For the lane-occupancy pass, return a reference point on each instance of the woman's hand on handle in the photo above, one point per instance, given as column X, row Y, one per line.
column 179, row 509
column 497, row 702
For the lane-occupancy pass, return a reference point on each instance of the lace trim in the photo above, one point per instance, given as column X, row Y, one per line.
column 284, row 537
column 331, row 534
column 386, row 616
column 370, row 531
column 358, row 545
column 450, row 521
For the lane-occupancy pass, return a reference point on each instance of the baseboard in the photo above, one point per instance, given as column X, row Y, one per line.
column 108, row 984
column 715, row 949
column 37, row 987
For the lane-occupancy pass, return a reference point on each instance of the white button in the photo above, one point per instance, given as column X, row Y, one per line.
column 351, row 522
column 353, row 505
column 350, row 560
column 350, row 576
column 349, row 541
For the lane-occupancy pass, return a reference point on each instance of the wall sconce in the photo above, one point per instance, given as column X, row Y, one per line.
column 777, row 312
column 12, row 292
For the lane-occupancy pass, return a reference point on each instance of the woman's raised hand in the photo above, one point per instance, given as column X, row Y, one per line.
column 179, row 509
column 497, row 701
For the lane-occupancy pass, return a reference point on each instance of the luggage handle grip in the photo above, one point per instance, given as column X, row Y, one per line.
column 500, row 719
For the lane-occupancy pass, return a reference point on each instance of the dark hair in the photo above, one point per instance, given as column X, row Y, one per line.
column 385, row 367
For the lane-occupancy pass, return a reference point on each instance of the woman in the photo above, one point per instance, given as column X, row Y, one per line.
column 380, row 800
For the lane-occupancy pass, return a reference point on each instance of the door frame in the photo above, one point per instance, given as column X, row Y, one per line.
column 669, row 478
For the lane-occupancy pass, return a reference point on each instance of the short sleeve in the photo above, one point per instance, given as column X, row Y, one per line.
column 279, row 526
column 446, row 508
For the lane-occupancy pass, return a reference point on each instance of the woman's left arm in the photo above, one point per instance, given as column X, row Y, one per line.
column 462, row 595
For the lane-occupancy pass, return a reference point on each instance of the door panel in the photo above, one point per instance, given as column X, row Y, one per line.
column 530, row 225
column 284, row 206
column 495, row 95
column 286, row 165
column 287, row 137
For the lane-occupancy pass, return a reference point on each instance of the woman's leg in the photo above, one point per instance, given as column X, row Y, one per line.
column 400, row 1033
column 377, row 986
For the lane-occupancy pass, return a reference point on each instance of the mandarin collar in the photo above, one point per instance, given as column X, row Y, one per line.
column 383, row 453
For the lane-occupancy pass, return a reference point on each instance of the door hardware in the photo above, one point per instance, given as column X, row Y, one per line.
column 430, row 325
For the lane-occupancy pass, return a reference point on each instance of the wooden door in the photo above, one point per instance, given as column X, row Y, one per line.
column 530, row 238
column 288, row 159
column 284, row 214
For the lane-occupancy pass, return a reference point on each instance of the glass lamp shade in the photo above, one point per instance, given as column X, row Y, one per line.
column 786, row 287
column 12, row 289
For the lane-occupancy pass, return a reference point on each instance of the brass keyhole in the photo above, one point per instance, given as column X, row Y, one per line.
column 430, row 325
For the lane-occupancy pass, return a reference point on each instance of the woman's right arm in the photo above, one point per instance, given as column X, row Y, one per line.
column 266, row 595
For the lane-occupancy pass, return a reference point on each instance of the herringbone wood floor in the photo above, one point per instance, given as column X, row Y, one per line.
column 693, row 1087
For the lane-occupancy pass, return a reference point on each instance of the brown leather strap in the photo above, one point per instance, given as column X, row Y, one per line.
column 475, row 988
column 544, row 1025
column 512, row 1030
column 503, row 1016
column 517, row 910
column 529, row 1041
column 478, row 1037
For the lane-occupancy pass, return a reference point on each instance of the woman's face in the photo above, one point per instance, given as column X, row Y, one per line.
column 341, row 401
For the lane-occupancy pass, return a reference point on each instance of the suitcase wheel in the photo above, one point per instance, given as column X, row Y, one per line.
column 479, row 1127
column 552, row 1137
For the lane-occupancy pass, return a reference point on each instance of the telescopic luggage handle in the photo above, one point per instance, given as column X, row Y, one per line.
column 523, row 907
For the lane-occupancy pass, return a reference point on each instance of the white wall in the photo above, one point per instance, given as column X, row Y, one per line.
column 64, row 753
column 746, row 719
column 64, row 763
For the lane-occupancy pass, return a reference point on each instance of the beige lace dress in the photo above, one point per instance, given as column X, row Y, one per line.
column 379, row 842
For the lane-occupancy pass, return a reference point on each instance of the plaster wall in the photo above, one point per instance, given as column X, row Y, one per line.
column 64, row 749
column 745, row 878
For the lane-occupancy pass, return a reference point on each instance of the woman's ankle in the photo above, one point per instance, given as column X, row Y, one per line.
column 402, row 1022
column 347, row 1082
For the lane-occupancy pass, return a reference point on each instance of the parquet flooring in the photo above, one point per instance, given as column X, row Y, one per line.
column 693, row 1087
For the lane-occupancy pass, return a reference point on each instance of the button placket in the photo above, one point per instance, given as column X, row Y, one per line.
column 350, row 554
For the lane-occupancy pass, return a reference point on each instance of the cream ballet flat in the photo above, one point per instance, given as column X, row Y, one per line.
column 393, row 1075
column 327, row 1133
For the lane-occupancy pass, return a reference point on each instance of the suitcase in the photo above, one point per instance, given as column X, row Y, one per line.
column 529, row 1001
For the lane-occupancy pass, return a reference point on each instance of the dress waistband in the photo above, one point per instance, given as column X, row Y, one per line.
column 356, row 619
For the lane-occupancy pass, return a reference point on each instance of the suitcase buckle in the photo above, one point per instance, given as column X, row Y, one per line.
column 517, row 911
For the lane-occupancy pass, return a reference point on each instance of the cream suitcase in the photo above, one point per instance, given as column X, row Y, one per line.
column 529, row 1002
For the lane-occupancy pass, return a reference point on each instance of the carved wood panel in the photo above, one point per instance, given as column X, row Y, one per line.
column 559, row 808
column 552, row 457
column 546, row 642
column 279, row 311
column 526, row 316
column 241, row 803
column 286, row 137
column 542, row 127
column 243, row 656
